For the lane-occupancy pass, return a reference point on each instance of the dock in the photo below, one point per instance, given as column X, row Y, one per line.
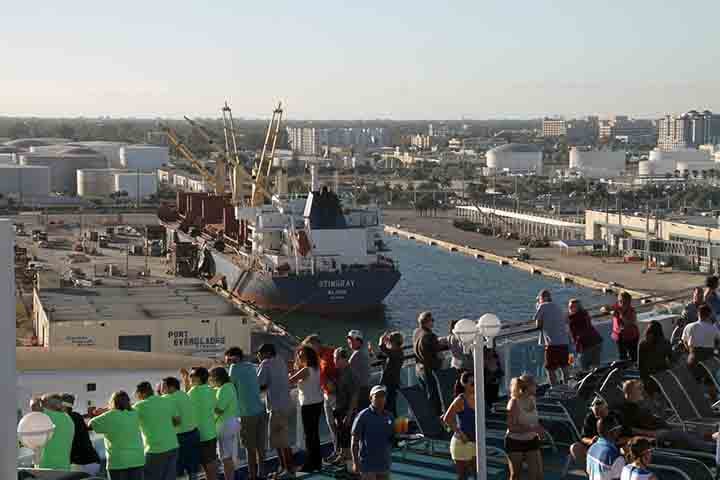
column 532, row 268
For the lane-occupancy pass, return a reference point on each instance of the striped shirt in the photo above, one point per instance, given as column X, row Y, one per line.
column 604, row 461
column 631, row 472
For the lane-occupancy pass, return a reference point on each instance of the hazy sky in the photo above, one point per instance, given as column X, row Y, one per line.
column 341, row 59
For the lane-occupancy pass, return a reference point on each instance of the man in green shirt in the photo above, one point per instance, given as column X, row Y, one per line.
column 203, row 400
column 187, row 433
column 158, row 418
column 123, row 442
column 56, row 453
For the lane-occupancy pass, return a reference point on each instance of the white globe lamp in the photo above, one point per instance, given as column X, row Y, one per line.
column 489, row 326
column 35, row 429
column 465, row 329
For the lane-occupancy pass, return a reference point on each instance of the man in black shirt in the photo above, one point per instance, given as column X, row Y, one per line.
column 589, row 435
column 639, row 421
column 83, row 452
column 427, row 347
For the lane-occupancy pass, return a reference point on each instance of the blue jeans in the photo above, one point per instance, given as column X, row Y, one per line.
column 161, row 466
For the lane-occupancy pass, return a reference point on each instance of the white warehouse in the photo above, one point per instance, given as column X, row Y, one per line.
column 597, row 163
column 144, row 157
column 515, row 157
column 130, row 182
column 24, row 180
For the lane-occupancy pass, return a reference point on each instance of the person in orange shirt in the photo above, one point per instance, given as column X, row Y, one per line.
column 328, row 381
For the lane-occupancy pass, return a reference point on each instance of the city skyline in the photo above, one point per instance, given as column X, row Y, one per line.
column 398, row 61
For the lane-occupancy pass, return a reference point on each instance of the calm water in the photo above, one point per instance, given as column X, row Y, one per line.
column 451, row 285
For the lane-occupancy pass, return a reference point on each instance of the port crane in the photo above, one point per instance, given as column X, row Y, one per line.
column 263, row 165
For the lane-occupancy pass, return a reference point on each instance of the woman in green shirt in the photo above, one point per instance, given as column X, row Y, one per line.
column 203, row 400
column 226, row 422
column 123, row 442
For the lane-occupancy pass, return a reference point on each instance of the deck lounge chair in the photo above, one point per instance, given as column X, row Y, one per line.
column 430, row 425
column 694, row 391
column 684, row 411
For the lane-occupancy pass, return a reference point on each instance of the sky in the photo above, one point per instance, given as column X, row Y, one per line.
column 341, row 59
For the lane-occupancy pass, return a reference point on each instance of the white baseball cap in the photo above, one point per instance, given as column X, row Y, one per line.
column 378, row 389
column 355, row 334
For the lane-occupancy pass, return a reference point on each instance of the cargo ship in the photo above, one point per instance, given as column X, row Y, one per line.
column 306, row 253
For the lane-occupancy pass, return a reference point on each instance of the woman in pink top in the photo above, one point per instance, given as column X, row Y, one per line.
column 625, row 332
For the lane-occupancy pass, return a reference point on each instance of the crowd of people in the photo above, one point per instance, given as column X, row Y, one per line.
column 198, row 420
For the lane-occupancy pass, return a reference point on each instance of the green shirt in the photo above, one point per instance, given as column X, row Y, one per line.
column 184, row 410
column 227, row 402
column 202, row 398
column 56, row 453
column 123, row 442
column 156, row 414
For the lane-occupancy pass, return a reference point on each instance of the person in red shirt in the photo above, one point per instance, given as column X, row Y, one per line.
column 328, row 380
column 625, row 332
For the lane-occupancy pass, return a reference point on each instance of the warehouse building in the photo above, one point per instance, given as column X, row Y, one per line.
column 183, row 319
column 144, row 157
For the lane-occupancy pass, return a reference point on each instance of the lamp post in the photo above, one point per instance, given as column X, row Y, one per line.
column 477, row 335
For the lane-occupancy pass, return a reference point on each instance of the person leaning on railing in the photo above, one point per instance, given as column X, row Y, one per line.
column 427, row 347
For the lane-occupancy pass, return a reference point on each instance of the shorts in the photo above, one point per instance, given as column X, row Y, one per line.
column 188, row 453
column 252, row 432
column 279, row 429
column 342, row 430
column 227, row 439
column 556, row 356
column 514, row 445
column 461, row 451
column 208, row 451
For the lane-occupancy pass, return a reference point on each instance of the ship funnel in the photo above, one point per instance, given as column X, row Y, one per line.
column 314, row 185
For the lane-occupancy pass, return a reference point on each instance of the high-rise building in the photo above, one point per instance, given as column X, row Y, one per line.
column 632, row 131
column 688, row 130
column 310, row 140
column 305, row 140
column 554, row 127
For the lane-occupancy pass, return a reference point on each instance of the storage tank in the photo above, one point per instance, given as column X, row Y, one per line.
column 64, row 164
column 597, row 163
column 515, row 157
column 645, row 168
column 111, row 150
column 666, row 161
column 129, row 182
column 143, row 157
column 96, row 182
column 24, row 180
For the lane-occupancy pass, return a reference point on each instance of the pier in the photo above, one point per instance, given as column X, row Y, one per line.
column 586, row 270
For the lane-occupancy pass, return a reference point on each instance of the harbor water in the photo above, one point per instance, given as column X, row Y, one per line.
column 451, row 286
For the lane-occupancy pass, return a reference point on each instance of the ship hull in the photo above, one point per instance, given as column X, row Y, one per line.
column 326, row 292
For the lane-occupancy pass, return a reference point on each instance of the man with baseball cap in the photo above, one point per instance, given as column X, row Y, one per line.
column 360, row 365
column 604, row 460
column 372, row 437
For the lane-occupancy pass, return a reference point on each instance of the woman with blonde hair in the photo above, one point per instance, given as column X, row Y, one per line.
column 522, row 440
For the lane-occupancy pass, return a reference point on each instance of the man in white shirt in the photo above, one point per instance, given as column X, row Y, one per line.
column 700, row 338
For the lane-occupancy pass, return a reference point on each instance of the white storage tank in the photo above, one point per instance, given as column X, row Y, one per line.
column 143, row 157
column 666, row 161
column 597, row 163
column 24, row 180
column 96, row 182
column 645, row 168
column 111, row 150
column 130, row 181
column 515, row 157
column 64, row 164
